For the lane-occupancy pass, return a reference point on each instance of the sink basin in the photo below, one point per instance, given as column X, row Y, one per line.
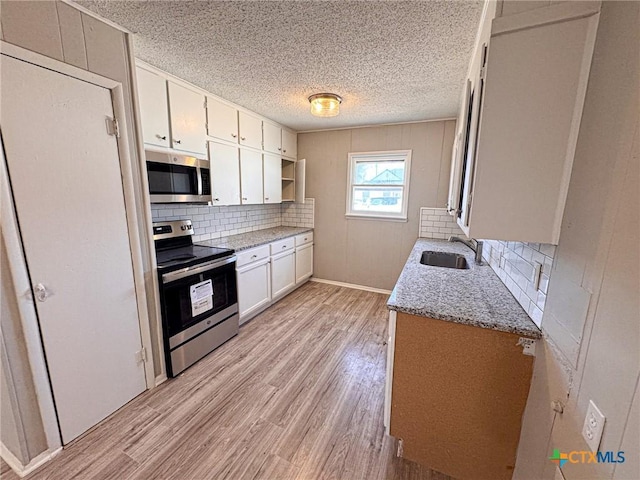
column 443, row 259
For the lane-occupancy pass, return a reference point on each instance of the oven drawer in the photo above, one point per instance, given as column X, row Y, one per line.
column 253, row 255
column 304, row 238
column 282, row 245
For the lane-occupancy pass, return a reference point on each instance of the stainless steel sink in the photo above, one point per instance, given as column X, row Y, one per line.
column 443, row 259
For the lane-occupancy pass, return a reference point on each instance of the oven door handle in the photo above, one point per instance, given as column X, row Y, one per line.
column 188, row 271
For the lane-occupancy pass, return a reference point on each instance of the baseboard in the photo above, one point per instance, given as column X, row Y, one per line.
column 351, row 285
column 24, row 470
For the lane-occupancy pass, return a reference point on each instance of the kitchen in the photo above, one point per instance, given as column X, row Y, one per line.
column 558, row 224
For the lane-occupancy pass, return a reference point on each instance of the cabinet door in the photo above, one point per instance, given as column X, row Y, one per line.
column 188, row 132
column 222, row 120
column 225, row 174
column 251, row 177
column 304, row 263
column 289, row 144
column 272, row 178
column 271, row 135
column 154, row 109
column 283, row 273
column 250, row 130
column 525, row 154
column 254, row 288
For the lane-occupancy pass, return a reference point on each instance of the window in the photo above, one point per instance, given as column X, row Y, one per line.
column 379, row 184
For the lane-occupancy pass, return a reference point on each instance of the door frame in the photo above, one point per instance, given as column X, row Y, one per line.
column 19, row 269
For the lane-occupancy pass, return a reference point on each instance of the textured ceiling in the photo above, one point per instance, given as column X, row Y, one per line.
column 391, row 61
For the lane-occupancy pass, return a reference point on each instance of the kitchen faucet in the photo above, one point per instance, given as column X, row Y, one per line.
column 473, row 244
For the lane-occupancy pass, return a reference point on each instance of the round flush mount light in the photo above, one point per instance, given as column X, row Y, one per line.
column 325, row 104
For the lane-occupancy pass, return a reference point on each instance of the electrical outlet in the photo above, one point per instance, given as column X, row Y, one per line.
column 537, row 271
column 593, row 426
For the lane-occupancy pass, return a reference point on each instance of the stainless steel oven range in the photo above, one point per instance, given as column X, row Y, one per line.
column 197, row 293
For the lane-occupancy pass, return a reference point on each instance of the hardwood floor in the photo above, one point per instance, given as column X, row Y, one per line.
column 298, row 394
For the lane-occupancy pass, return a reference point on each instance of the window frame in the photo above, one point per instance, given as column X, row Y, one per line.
column 379, row 156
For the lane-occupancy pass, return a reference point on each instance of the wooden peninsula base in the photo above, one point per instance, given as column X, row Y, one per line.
column 458, row 394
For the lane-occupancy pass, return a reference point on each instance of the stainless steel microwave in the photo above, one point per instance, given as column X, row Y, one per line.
column 175, row 178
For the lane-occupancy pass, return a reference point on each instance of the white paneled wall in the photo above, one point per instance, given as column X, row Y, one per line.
column 215, row 222
column 437, row 223
column 298, row 214
column 515, row 264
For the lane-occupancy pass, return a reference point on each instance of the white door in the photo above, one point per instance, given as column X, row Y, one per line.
column 188, row 119
column 222, row 120
column 66, row 182
column 283, row 273
column 225, row 174
column 254, row 288
column 271, row 137
column 251, row 176
column 304, row 262
column 154, row 109
column 250, row 130
column 272, row 172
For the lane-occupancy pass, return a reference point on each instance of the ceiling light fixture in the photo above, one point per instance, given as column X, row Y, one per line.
column 325, row 104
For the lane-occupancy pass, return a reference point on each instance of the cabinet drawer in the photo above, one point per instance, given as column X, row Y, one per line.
column 252, row 255
column 304, row 238
column 282, row 245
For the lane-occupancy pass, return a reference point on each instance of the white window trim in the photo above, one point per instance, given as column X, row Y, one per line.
column 397, row 217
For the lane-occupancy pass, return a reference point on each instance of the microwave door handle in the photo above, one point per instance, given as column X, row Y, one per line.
column 188, row 271
column 199, row 178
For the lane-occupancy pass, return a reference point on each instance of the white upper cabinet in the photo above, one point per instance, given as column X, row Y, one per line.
column 272, row 137
column 222, row 120
column 251, row 177
column 187, row 114
column 289, row 144
column 154, row 109
column 530, row 98
column 272, row 178
column 225, row 174
column 250, row 130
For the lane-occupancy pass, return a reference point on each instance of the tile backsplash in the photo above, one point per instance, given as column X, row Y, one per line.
column 515, row 264
column 298, row 214
column 215, row 222
column 437, row 223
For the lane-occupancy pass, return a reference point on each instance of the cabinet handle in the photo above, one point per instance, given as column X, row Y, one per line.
column 284, row 151
column 254, row 256
column 279, row 148
column 177, row 141
column 284, row 246
column 243, row 138
column 266, row 198
column 217, row 200
column 244, row 198
column 234, row 135
column 161, row 137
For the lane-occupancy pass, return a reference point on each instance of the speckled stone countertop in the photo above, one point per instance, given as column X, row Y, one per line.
column 242, row 241
column 475, row 296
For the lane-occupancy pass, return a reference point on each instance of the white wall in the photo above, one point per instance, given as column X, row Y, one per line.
column 592, row 320
column 366, row 251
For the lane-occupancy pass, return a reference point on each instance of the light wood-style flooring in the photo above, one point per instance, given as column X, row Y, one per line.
column 298, row 394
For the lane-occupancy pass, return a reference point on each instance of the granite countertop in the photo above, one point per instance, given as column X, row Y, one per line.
column 475, row 296
column 243, row 241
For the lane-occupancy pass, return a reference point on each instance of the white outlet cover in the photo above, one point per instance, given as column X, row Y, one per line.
column 593, row 426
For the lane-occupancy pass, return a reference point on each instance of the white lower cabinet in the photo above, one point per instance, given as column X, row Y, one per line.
column 254, row 288
column 283, row 272
column 304, row 257
column 268, row 272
